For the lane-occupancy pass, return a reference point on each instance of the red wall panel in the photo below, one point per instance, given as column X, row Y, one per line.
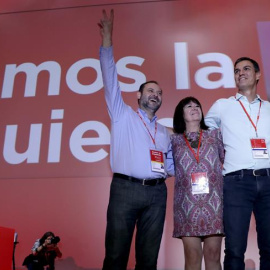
column 51, row 88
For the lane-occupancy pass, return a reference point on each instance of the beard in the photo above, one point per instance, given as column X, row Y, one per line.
column 150, row 103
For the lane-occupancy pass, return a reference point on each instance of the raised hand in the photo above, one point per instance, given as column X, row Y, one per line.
column 106, row 28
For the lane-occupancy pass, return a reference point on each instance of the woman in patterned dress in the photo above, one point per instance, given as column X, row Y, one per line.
column 197, row 156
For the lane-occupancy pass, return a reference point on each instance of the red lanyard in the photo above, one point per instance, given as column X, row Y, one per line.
column 258, row 116
column 153, row 138
column 191, row 149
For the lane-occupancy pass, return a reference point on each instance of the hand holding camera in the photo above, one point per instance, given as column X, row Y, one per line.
column 51, row 242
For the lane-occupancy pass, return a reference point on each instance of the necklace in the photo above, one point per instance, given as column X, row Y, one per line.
column 193, row 143
column 199, row 145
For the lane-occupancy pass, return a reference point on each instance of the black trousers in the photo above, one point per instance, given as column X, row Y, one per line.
column 132, row 204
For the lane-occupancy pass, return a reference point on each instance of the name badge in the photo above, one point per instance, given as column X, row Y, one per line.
column 157, row 161
column 199, row 183
column 259, row 149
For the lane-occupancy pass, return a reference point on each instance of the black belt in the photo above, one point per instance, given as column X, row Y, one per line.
column 260, row 172
column 144, row 182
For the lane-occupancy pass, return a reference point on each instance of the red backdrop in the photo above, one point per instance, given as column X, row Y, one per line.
column 54, row 126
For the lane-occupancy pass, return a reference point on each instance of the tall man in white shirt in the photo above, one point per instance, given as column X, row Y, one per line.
column 244, row 120
column 138, row 145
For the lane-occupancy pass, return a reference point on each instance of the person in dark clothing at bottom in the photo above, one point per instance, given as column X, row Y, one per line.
column 44, row 252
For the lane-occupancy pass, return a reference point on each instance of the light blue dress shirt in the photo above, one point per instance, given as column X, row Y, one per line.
column 237, row 130
column 130, row 140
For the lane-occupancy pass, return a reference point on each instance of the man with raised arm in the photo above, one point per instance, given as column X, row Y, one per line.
column 138, row 147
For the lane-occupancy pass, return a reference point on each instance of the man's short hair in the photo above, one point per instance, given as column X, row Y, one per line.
column 143, row 85
column 254, row 63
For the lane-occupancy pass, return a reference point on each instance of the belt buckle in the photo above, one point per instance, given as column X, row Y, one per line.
column 254, row 173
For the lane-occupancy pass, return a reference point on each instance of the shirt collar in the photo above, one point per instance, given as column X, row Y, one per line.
column 145, row 116
column 239, row 96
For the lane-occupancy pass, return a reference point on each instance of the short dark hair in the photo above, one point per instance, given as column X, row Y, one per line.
column 179, row 125
column 254, row 63
column 143, row 85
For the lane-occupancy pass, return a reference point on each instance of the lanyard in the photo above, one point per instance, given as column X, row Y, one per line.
column 153, row 138
column 258, row 116
column 199, row 145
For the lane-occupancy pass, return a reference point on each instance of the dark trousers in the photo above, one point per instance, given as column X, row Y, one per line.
column 37, row 266
column 242, row 196
column 132, row 204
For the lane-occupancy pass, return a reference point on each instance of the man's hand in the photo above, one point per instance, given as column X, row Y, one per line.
column 106, row 28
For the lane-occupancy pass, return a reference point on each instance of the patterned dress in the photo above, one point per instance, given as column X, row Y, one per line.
column 199, row 214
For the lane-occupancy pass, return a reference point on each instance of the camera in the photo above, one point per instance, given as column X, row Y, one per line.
column 55, row 240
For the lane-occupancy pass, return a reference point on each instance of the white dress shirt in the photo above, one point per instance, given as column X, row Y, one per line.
column 237, row 130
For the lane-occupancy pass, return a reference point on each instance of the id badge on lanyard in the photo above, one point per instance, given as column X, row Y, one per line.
column 259, row 148
column 157, row 161
column 156, row 156
column 199, row 180
column 199, row 183
column 258, row 145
